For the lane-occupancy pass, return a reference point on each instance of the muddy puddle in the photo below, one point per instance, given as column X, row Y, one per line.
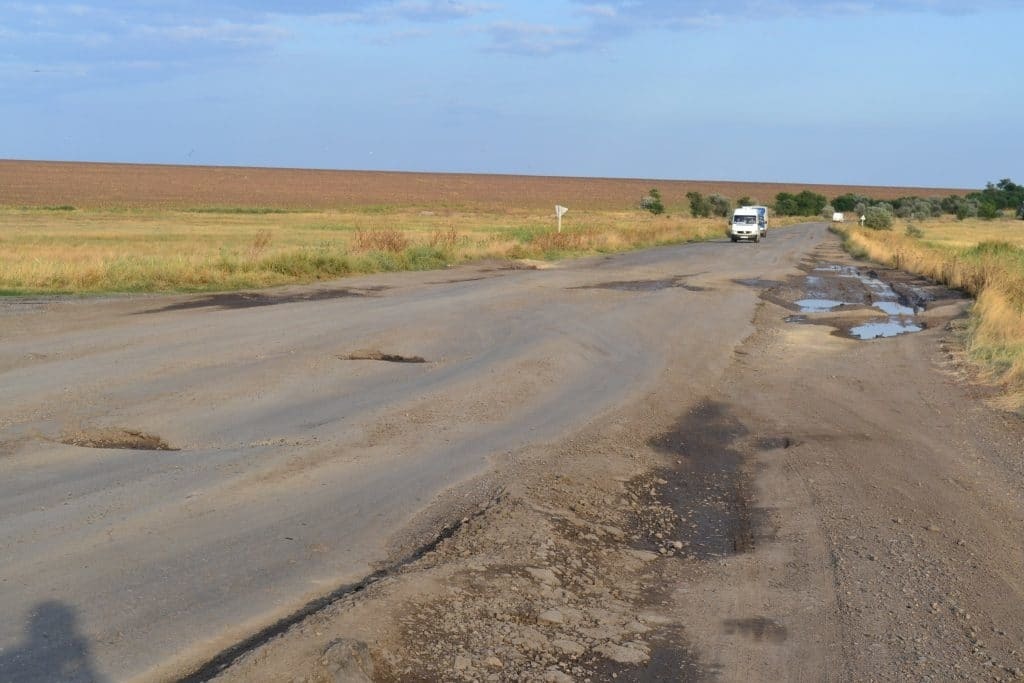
column 859, row 303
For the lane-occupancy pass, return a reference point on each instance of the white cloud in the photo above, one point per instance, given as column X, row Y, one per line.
column 534, row 39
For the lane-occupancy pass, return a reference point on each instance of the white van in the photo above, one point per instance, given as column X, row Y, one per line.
column 749, row 223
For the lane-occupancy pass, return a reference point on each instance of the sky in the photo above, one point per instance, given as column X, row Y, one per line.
column 907, row 92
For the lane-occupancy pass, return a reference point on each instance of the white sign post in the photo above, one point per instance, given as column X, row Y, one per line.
column 559, row 212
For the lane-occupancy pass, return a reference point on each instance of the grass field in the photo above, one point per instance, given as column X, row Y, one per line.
column 982, row 258
column 153, row 250
column 81, row 228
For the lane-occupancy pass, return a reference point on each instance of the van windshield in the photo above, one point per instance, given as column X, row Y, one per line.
column 744, row 220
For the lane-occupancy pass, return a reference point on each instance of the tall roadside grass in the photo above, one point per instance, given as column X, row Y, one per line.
column 157, row 250
column 985, row 259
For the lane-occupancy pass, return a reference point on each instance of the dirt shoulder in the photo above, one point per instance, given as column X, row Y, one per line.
column 832, row 509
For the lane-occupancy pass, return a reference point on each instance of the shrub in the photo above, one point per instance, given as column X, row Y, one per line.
column 745, row 201
column 827, row 212
column 700, row 207
column 914, row 231
column 966, row 208
column 988, row 210
column 878, row 217
column 379, row 240
column 720, row 205
column 652, row 202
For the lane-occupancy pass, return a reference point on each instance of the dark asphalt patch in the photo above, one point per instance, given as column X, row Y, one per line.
column 645, row 285
column 670, row 660
column 709, row 490
column 385, row 357
column 235, row 300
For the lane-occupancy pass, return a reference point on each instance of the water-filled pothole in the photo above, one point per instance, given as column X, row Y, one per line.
column 373, row 354
column 889, row 328
column 858, row 303
column 817, row 305
column 127, row 439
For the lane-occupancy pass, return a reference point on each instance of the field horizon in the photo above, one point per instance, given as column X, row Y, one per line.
column 78, row 184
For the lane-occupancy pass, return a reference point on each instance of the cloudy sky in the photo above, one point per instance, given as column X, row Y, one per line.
column 902, row 92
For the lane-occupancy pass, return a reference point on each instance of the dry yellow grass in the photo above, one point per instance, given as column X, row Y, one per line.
column 152, row 250
column 984, row 259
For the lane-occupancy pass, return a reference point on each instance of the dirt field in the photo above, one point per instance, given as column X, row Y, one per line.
column 84, row 185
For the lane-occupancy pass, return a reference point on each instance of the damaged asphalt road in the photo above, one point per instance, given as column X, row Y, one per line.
column 629, row 467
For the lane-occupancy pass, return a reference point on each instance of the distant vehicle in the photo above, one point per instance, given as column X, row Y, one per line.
column 749, row 223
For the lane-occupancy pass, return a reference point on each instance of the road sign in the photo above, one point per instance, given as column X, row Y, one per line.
column 559, row 212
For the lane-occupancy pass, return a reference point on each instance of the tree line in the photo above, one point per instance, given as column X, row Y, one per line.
column 988, row 203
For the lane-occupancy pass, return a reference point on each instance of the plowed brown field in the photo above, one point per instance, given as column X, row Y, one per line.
column 86, row 185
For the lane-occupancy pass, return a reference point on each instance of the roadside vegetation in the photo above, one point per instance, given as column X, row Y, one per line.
column 68, row 250
column 974, row 244
column 45, row 250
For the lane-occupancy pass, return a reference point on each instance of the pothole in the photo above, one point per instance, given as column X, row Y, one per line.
column 373, row 354
column 758, row 283
column 646, row 285
column 757, row 628
column 125, row 439
column 817, row 305
column 858, row 303
column 889, row 328
column 775, row 443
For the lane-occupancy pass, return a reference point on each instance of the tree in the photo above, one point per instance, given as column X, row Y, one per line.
column 786, row 204
column 806, row 203
column 849, row 201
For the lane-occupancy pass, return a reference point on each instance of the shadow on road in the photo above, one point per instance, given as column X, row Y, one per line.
column 53, row 649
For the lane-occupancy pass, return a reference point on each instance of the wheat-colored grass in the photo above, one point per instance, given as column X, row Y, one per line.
column 154, row 250
column 982, row 258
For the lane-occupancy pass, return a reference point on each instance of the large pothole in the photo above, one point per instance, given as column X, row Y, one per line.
column 116, row 438
column 857, row 302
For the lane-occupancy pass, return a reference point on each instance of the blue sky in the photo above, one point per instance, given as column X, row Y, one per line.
column 909, row 92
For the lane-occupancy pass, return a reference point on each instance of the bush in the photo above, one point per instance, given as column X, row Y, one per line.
column 914, row 231
column 745, row 201
column 388, row 239
column 988, row 210
column 827, row 212
column 878, row 217
column 652, row 202
column 700, row 207
column 966, row 208
column 720, row 205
